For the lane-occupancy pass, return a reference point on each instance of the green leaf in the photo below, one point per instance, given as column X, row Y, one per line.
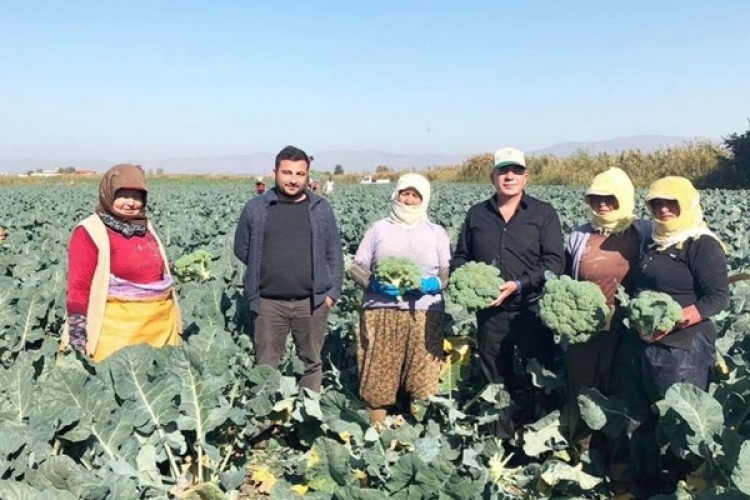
column 553, row 472
column 62, row 473
column 741, row 472
column 543, row 435
column 602, row 413
column 543, row 378
column 78, row 397
column 199, row 396
column 19, row 391
column 699, row 411
column 14, row 490
column 148, row 470
column 427, row 448
column 266, row 382
column 153, row 390
column 328, row 466
column 357, row 493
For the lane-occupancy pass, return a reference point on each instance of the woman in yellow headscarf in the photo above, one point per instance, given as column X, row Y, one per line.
column 602, row 251
column 688, row 262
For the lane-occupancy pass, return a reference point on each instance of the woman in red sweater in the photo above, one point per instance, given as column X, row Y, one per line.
column 120, row 291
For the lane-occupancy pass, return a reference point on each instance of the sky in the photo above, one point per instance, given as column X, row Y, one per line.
column 180, row 79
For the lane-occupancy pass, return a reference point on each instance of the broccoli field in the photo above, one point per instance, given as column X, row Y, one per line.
column 202, row 421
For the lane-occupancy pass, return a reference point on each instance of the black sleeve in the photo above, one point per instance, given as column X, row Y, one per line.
column 462, row 254
column 335, row 256
column 242, row 237
column 708, row 264
column 552, row 253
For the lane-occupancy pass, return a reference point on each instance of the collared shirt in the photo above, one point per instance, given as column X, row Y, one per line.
column 526, row 246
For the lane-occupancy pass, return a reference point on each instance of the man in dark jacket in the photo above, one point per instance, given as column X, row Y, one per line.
column 522, row 236
column 290, row 243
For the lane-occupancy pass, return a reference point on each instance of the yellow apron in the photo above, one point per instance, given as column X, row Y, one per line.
column 130, row 322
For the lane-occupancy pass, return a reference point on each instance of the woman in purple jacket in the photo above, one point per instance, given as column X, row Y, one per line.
column 400, row 343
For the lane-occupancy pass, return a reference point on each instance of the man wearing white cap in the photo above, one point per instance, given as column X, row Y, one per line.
column 522, row 236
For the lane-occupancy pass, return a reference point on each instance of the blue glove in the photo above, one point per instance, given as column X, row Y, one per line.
column 384, row 288
column 430, row 285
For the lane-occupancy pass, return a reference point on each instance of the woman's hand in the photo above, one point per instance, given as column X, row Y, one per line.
column 386, row 289
column 430, row 285
column 690, row 316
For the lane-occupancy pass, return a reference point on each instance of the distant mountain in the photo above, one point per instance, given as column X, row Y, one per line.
column 352, row 161
column 645, row 143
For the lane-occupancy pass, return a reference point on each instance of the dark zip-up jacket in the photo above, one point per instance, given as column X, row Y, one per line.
column 327, row 255
column 523, row 248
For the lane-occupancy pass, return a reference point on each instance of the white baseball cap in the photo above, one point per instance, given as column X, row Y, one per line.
column 509, row 156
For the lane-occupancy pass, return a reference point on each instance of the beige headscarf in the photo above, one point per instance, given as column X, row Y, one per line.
column 124, row 176
column 613, row 182
column 410, row 215
column 689, row 224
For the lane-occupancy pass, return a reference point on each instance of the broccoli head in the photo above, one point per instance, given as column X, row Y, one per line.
column 474, row 285
column 193, row 267
column 651, row 311
column 573, row 310
column 401, row 272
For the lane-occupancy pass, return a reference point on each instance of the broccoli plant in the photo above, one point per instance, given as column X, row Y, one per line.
column 651, row 312
column 193, row 267
column 573, row 310
column 474, row 285
column 401, row 272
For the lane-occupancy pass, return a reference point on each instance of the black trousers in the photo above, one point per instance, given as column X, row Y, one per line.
column 499, row 333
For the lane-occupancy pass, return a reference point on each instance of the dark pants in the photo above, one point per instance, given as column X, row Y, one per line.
column 653, row 369
column 499, row 332
column 588, row 365
column 308, row 326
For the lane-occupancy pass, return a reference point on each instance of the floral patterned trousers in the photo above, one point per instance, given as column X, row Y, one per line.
column 399, row 348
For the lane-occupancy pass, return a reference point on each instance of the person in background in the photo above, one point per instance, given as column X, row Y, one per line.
column 688, row 262
column 328, row 188
column 120, row 291
column 400, row 343
column 522, row 236
column 289, row 240
column 260, row 186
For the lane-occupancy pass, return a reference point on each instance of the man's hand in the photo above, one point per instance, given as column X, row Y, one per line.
column 506, row 290
column 690, row 316
column 329, row 302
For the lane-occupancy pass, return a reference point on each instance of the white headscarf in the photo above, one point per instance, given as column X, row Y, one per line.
column 410, row 215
